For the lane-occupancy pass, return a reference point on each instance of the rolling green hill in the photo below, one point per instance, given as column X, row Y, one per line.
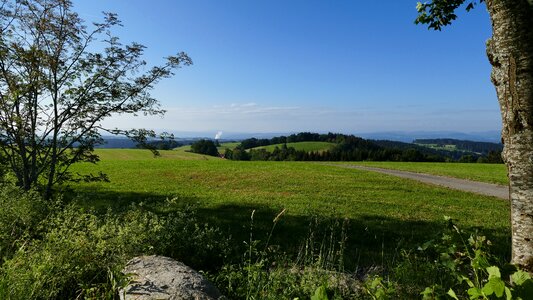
column 224, row 146
column 301, row 146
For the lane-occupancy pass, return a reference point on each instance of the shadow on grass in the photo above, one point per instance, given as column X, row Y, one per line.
column 370, row 240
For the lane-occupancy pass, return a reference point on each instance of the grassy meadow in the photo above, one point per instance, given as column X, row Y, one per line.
column 490, row 173
column 385, row 213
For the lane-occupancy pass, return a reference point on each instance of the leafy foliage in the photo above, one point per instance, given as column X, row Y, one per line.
column 21, row 215
column 56, row 89
column 379, row 289
column 206, row 147
column 440, row 13
column 473, row 270
column 70, row 252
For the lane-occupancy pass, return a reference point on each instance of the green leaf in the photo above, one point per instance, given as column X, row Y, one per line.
column 508, row 294
column 495, row 285
column 452, row 294
column 519, row 277
column 487, row 289
column 468, row 281
column 474, row 293
column 494, row 272
column 320, row 294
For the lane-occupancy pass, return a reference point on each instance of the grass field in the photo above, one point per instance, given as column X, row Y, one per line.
column 180, row 153
column 224, row 146
column 304, row 146
column 491, row 173
column 384, row 211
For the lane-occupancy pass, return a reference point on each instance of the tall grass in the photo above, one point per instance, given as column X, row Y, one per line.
column 268, row 272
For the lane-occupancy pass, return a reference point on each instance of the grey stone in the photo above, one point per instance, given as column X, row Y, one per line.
column 158, row 277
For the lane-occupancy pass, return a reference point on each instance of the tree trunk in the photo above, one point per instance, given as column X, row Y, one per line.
column 510, row 51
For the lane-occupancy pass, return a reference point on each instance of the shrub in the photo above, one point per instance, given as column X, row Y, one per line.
column 77, row 250
column 80, row 253
column 200, row 246
column 474, row 272
column 20, row 216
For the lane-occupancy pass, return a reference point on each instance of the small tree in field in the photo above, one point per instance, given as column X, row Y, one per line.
column 206, row 147
column 59, row 79
column 510, row 52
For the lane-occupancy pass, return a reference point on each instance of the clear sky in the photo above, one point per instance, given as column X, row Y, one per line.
column 308, row 65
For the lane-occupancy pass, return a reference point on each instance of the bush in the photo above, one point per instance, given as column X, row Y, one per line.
column 76, row 251
column 20, row 216
column 79, row 254
column 197, row 245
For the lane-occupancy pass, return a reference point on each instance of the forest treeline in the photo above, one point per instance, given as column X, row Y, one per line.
column 351, row 148
column 472, row 146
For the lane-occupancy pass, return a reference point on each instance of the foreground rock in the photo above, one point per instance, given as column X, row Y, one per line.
column 159, row 277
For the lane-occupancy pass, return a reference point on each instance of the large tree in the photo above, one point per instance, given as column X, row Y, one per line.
column 510, row 52
column 59, row 79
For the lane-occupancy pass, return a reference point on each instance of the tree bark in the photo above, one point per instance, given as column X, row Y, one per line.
column 510, row 51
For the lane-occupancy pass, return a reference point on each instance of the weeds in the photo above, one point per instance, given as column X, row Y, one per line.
column 57, row 251
column 472, row 271
column 316, row 272
column 70, row 252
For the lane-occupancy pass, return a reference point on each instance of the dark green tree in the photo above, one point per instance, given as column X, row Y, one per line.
column 510, row 52
column 59, row 79
column 206, row 147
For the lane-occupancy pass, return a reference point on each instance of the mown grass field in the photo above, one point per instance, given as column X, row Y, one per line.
column 224, row 146
column 180, row 153
column 302, row 146
column 385, row 213
column 490, row 173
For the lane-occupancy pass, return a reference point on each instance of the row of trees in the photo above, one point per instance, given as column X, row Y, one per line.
column 472, row 146
column 294, row 138
column 351, row 148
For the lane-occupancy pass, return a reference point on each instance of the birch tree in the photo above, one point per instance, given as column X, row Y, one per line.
column 510, row 52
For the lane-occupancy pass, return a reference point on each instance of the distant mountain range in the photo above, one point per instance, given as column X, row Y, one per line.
column 400, row 136
column 410, row 136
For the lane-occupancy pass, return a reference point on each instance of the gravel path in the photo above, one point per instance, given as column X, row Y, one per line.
column 482, row 188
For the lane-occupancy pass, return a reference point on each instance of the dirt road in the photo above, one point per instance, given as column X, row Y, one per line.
column 482, row 188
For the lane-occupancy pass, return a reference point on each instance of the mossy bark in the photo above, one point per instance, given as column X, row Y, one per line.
column 510, row 51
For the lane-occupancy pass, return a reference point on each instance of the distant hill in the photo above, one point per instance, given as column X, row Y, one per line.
column 423, row 149
column 460, row 145
column 117, row 143
column 409, row 136
column 113, row 142
column 493, row 136
column 309, row 146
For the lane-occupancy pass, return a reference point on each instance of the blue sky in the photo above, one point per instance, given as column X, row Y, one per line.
column 307, row 65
